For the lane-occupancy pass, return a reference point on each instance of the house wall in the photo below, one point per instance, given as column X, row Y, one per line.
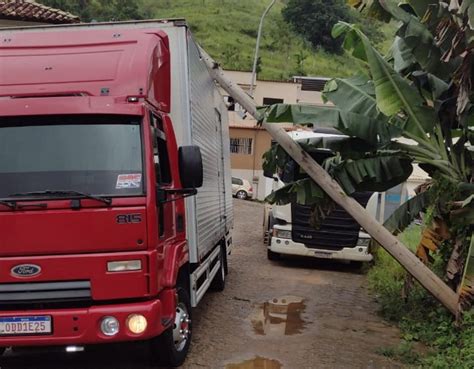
column 249, row 166
column 244, row 126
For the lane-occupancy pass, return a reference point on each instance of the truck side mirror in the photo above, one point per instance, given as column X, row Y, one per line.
column 190, row 166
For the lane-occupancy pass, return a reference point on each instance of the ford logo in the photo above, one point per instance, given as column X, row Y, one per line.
column 25, row 270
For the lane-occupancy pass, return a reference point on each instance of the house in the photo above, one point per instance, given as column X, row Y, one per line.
column 248, row 141
column 15, row 13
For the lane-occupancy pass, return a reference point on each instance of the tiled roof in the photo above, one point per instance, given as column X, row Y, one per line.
column 29, row 10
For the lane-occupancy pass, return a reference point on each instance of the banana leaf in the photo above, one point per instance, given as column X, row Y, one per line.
column 402, row 217
column 465, row 214
column 417, row 37
column 401, row 55
column 375, row 132
column 372, row 8
column 304, row 191
column 355, row 95
column 394, row 95
column 378, row 173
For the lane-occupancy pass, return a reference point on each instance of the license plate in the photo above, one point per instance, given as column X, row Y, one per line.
column 323, row 255
column 13, row 326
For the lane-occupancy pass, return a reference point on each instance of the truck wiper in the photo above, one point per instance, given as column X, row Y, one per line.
column 63, row 193
column 9, row 204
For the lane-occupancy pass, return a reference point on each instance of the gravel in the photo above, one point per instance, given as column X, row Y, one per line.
column 291, row 314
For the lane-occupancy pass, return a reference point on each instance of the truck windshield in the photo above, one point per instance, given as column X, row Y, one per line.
column 97, row 155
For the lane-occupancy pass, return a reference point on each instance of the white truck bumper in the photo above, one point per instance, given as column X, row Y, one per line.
column 288, row 247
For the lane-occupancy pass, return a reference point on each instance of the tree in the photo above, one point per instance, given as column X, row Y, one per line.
column 314, row 19
column 422, row 91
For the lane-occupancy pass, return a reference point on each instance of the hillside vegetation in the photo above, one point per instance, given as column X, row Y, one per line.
column 227, row 29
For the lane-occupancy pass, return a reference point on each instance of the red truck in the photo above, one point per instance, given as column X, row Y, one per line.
column 115, row 186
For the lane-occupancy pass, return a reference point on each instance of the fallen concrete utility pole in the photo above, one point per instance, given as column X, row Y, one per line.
column 389, row 242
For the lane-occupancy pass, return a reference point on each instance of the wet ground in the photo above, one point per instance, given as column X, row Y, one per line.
column 291, row 314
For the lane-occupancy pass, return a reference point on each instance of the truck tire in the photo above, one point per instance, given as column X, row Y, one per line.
column 267, row 235
column 171, row 347
column 272, row 255
column 218, row 283
column 2, row 350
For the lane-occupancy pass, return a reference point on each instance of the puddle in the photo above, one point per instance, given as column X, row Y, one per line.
column 257, row 363
column 279, row 317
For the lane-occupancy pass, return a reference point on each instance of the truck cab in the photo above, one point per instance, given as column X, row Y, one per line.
column 99, row 233
column 288, row 229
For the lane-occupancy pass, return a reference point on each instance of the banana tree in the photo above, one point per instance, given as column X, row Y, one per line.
column 414, row 105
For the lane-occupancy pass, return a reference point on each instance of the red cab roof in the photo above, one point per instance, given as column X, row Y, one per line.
column 89, row 63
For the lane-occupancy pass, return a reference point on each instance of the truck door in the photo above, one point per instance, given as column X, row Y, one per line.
column 165, row 209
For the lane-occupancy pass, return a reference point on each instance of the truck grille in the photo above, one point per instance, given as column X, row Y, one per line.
column 338, row 230
column 39, row 294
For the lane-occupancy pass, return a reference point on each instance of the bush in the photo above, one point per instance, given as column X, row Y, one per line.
column 314, row 19
column 420, row 317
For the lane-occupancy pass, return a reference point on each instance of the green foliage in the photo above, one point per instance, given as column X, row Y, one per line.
column 100, row 10
column 419, row 318
column 314, row 19
column 228, row 29
column 403, row 216
column 404, row 353
column 387, row 103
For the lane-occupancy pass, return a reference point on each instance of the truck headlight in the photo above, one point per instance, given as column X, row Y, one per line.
column 124, row 266
column 280, row 233
column 136, row 323
column 109, row 326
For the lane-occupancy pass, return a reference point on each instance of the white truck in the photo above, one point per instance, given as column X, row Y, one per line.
column 287, row 228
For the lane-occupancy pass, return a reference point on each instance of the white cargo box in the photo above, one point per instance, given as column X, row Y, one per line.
column 200, row 118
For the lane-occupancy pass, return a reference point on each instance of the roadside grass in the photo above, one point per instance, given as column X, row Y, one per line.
column 420, row 317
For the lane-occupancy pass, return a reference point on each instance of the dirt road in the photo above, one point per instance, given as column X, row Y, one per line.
column 291, row 314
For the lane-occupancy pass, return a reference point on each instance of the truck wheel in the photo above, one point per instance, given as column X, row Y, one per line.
column 2, row 350
column 172, row 346
column 272, row 255
column 241, row 195
column 218, row 283
column 267, row 236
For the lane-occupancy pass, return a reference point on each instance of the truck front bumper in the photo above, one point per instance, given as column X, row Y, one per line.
column 289, row 247
column 81, row 326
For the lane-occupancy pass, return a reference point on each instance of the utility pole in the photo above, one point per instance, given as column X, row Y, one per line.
column 259, row 35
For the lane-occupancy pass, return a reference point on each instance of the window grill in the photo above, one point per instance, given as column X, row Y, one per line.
column 241, row 146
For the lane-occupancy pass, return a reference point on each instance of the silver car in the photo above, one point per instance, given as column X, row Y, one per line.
column 241, row 188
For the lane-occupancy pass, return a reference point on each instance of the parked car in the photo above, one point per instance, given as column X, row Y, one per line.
column 241, row 188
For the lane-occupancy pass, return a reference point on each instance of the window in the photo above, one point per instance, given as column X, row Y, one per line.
column 162, row 163
column 271, row 101
column 241, row 146
column 237, row 181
